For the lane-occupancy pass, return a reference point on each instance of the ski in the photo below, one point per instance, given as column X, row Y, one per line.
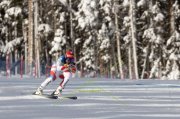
column 57, row 97
column 69, row 97
column 48, row 96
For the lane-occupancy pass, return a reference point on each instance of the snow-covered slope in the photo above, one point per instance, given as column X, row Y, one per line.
column 97, row 99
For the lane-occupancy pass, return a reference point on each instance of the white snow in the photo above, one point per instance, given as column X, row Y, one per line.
column 151, row 36
column 87, row 13
column 77, row 41
column 14, row 11
column 106, row 58
column 5, row 3
column 58, row 42
column 173, row 56
column 126, row 21
column 28, row 97
column 159, row 17
column 62, row 17
column 176, row 9
column 9, row 47
column 97, row 99
column 159, row 39
column 107, row 8
column 87, row 42
column 141, row 3
column 126, row 3
column 105, row 44
column 93, row 4
column 44, row 28
column 156, row 9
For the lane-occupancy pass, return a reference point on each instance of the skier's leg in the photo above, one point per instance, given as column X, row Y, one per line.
column 51, row 78
column 46, row 82
column 65, row 78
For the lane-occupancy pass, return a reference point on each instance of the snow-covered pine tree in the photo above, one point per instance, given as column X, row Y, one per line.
column 11, row 16
column 172, row 69
column 87, row 18
column 106, row 39
column 125, row 31
column 153, row 37
column 88, row 26
column 63, row 14
column 130, row 40
column 143, row 22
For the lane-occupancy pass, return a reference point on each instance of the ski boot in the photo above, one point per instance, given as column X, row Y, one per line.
column 57, row 92
column 39, row 91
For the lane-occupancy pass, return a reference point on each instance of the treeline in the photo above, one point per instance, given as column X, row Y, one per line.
column 133, row 39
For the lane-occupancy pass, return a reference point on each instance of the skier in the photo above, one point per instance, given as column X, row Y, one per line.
column 63, row 68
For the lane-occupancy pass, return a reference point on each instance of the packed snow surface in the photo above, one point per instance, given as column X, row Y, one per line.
column 97, row 99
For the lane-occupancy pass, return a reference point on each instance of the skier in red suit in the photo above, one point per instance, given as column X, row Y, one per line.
column 63, row 68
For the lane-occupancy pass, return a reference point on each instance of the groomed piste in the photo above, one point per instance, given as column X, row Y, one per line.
column 97, row 99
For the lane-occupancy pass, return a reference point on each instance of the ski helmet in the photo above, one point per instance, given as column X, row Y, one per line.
column 69, row 54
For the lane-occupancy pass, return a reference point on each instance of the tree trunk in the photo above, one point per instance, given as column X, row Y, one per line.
column 16, row 51
column 171, row 14
column 71, row 29
column 130, row 61
column 37, row 62
column 118, row 46
column 145, row 62
column 15, row 61
column 8, row 65
column 30, row 36
column 25, row 48
column 114, row 71
column 133, row 36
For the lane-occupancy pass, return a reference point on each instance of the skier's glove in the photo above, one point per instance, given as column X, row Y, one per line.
column 65, row 68
column 69, row 68
column 72, row 68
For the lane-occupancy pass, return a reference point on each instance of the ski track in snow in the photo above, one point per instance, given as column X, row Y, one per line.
column 28, row 97
column 97, row 99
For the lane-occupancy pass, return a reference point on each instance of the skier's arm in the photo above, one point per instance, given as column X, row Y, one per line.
column 73, row 68
column 69, row 68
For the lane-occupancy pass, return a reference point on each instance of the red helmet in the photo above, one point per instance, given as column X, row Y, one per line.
column 69, row 54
